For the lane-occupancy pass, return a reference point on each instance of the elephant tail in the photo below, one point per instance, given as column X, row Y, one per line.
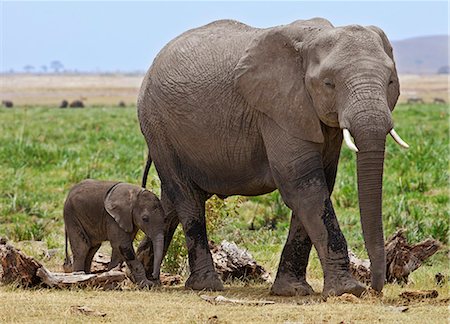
column 67, row 261
column 146, row 170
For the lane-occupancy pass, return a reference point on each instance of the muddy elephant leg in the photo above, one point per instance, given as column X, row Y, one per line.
column 319, row 220
column 191, row 211
column 145, row 249
column 303, row 186
column 291, row 274
column 89, row 257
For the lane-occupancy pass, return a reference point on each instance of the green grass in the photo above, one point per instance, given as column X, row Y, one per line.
column 44, row 151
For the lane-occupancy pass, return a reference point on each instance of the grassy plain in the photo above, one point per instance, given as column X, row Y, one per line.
column 44, row 151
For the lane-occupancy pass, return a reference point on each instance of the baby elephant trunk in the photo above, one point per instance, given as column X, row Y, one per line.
column 158, row 251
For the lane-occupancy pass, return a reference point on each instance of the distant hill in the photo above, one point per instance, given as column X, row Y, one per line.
column 422, row 55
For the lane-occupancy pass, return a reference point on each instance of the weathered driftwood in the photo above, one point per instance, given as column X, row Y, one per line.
column 401, row 258
column 100, row 262
column 232, row 262
column 106, row 280
column 359, row 268
column 85, row 310
column 17, row 267
column 224, row 300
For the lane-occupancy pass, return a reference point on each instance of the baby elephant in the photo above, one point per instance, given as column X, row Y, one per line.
column 97, row 211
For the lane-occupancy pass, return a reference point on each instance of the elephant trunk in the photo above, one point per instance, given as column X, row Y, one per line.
column 158, row 251
column 369, row 128
column 370, row 182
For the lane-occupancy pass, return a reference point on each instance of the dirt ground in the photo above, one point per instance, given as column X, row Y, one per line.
column 109, row 89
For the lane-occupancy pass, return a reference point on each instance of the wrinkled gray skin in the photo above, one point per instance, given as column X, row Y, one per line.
column 229, row 109
column 98, row 211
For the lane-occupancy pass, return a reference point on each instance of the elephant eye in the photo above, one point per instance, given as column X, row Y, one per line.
column 145, row 219
column 390, row 82
column 329, row 83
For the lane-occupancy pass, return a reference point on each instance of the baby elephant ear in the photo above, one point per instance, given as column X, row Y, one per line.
column 270, row 76
column 119, row 203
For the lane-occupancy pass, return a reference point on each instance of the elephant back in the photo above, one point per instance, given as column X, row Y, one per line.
column 197, row 61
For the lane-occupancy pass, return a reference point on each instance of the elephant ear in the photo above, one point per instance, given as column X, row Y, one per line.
column 270, row 77
column 395, row 91
column 119, row 202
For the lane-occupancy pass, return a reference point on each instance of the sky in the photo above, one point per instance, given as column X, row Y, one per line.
column 126, row 36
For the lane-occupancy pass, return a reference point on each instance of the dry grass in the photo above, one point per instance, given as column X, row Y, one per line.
column 110, row 89
column 52, row 89
column 176, row 305
column 427, row 87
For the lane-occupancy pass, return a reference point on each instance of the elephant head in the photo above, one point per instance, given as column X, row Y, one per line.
column 132, row 207
column 341, row 77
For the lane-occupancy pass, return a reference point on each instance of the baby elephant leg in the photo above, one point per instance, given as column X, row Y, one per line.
column 136, row 268
column 80, row 246
column 80, row 253
column 89, row 257
column 116, row 259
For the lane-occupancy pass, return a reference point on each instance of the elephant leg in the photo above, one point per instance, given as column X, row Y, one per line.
column 136, row 268
column 330, row 155
column 80, row 253
column 291, row 275
column 320, row 223
column 79, row 244
column 190, row 207
column 89, row 257
column 145, row 249
column 116, row 259
column 303, row 186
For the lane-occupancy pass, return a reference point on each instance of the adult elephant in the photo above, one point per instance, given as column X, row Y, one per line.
column 229, row 109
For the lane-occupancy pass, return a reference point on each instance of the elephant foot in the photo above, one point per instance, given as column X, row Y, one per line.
column 289, row 286
column 148, row 284
column 204, row 281
column 337, row 286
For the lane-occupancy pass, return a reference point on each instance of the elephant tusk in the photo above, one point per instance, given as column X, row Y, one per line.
column 398, row 139
column 348, row 140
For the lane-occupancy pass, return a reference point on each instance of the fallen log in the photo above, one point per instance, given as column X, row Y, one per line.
column 25, row 271
column 359, row 268
column 401, row 258
column 17, row 267
column 85, row 310
column 232, row 262
column 106, row 280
